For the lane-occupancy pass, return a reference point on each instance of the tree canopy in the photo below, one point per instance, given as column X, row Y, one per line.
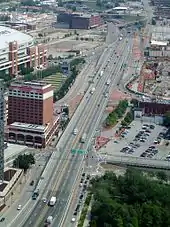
column 117, row 113
column 24, row 161
column 132, row 200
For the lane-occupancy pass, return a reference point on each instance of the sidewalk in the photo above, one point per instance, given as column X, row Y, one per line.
column 88, row 216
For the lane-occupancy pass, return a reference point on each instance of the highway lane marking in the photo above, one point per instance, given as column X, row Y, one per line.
column 64, row 164
column 85, row 122
column 68, row 152
column 86, row 119
column 29, row 201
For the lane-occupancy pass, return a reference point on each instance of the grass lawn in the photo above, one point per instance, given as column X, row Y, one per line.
column 56, row 80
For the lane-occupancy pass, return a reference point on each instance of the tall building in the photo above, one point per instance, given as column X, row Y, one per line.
column 18, row 50
column 30, row 114
column 1, row 130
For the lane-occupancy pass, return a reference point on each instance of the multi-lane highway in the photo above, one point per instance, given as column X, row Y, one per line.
column 63, row 169
column 86, row 119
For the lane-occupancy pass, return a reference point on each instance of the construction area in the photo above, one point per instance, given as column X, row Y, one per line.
column 154, row 76
column 60, row 42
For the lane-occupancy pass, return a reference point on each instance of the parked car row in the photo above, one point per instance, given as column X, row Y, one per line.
column 130, row 148
column 150, row 152
column 84, row 184
column 144, row 133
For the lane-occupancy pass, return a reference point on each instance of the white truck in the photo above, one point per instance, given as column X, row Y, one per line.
column 52, row 201
column 92, row 90
column 101, row 73
column 108, row 82
column 48, row 221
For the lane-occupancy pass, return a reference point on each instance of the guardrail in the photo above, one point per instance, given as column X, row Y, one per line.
column 138, row 162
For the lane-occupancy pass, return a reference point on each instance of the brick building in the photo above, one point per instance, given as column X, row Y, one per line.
column 30, row 114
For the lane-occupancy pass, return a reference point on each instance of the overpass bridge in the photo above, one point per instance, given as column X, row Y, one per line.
column 136, row 162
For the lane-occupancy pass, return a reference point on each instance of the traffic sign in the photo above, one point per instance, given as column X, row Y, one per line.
column 73, row 151
column 78, row 151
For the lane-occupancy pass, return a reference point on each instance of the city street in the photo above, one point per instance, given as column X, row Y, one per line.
column 63, row 169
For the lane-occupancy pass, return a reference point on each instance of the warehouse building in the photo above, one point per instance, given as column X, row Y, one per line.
column 17, row 50
column 78, row 21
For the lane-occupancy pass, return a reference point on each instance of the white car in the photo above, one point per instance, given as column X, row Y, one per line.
column 75, row 131
column 19, row 207
column 73, row 220
column 44, row 200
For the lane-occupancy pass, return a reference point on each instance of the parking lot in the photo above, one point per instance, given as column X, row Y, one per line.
column 141, row 139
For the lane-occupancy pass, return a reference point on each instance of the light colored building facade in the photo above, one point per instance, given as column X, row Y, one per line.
column 18, row 50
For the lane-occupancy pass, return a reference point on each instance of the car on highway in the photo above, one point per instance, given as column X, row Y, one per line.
column 75, row 213
column 32, row 183
column 2, row 219
column 44, row 200
column 73, row 220
column 19, row 207
column 75, row 131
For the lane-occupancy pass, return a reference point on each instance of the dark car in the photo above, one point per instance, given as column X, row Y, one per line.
column 32, row 183
column 2, row 219
column 81, row 196
column 152, row 126
column 75, row 213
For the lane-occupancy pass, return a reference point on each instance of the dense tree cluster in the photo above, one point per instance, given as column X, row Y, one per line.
column 167, row 119
column 67, row 84
column 128, row 119
column 24, row 161
column 70, row 80
column 133, row 200
column 117, row 113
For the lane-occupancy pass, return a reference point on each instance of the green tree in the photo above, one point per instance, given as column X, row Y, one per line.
column 131, row 200
column 161, row 175
column 167, row 119
column 24, row 161
column 153, row 21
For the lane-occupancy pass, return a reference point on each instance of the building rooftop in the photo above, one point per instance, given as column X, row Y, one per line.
column 159, row 43
column 31, row 127
column 33, row 84
column 120, row 8
column 13, row 150
column 8, row 35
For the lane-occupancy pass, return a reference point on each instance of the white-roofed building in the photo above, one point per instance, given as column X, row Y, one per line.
column 159, row 43
column 18, row 50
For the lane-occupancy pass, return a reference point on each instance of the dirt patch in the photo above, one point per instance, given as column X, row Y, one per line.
column 116, row 169
column 117, row 95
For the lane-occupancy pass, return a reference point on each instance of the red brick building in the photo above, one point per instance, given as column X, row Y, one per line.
column 30, row 114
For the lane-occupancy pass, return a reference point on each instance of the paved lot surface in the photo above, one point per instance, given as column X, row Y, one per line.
column 113, row 148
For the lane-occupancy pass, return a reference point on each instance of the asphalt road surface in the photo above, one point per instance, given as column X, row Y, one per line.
column 63, row 169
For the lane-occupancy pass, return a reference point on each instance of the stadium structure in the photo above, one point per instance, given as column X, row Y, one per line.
column 18, row 50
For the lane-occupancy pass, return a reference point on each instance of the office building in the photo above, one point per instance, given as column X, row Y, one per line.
column 18, row 50
column 78, row 21
column 30, row 114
